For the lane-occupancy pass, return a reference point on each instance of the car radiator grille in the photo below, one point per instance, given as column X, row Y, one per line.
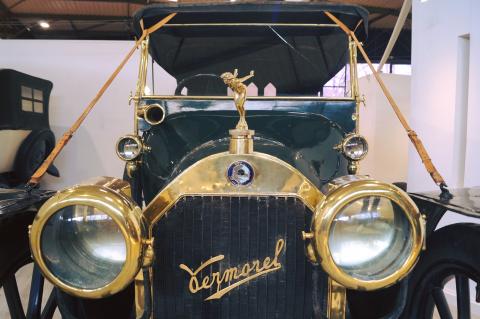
column 243, row 230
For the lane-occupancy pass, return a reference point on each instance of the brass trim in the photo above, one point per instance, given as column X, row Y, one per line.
column 343, row 194
column 208, row 177
column 109, row 195
column 141, row 82
column 352, row 167
column 234, row 276
column 314, row 25
column 337, row 300
column 139, row 295
column 144, row 111
column 354, row 82
column 250, row 98
column 131, row 167
column 241, row 141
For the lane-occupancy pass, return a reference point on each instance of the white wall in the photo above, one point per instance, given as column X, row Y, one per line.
column 387, row 158
column 437, row 85
column 445, row 98
column 78, row 69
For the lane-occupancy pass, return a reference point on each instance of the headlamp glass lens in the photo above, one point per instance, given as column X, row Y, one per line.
column 83, row 247
column 370, row 238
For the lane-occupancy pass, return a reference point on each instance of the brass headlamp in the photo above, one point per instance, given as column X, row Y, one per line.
column 88, row 240
column 366, row 234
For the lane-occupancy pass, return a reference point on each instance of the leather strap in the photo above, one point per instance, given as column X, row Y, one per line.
column 422, row 152
column 37, row 176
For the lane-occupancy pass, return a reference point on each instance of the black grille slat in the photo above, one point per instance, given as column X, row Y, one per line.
column 262, row 250
column 281, row 276
column 271, row 280
column 243, row 229
column 291, row 262
column 299, row 271
column 253, row 251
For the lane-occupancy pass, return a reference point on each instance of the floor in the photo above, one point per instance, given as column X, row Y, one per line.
column 23, row 280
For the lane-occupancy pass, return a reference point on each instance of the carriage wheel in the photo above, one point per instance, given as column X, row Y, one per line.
column 15, row 258
column 452, row 254
column 32, row 152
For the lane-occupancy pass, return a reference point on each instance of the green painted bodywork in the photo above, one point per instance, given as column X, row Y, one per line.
column 301, row 133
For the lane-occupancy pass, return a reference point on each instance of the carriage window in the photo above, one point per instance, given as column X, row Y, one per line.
column 27, row 105
column 32, row 100
column 38, row 107
column 38, row 95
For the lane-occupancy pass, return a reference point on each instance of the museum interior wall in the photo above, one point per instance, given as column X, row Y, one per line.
column 445, row 97
column 445, row 102
column 77, row 70
column 380, row 126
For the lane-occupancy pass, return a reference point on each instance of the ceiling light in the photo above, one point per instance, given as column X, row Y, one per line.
column 44, row 24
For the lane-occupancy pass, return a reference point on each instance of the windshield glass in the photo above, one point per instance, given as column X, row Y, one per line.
column 288, row 60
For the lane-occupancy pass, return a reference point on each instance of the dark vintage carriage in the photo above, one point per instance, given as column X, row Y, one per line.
column 262, row 217
column 25, row 133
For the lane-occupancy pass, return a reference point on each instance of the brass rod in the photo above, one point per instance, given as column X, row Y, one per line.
column 250, row 98
column 142, row 79
column 422, row 152
column 314, row 25
column 68, row 134
column 337, row 300
column 354, row 82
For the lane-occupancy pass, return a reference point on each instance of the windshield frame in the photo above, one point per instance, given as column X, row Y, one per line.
column 352, row 87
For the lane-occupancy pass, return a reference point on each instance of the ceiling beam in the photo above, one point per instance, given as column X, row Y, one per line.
column 388, row 11
column 114, row 1
column 404, row 12
column 94, row 26
column 16, row 4
column 87, row 35
column 13, row 29
column 3, row 8
column 74, row 17
column 377, row 18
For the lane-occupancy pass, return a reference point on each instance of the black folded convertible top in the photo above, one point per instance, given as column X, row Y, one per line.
column 252, row 12
column 294, row 46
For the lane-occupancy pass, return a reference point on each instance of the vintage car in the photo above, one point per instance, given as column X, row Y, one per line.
column 25, row 133
column 238, row 205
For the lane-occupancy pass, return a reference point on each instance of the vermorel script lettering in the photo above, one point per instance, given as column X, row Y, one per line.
column 239, row 275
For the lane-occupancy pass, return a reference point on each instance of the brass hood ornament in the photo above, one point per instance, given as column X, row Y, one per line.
column 241, row 138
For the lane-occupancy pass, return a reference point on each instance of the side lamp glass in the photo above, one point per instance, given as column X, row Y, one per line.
column 129, row 147
column 354, row 147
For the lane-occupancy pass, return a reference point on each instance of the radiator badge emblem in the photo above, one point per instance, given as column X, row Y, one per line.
column 232, row 277
column 240, row 173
